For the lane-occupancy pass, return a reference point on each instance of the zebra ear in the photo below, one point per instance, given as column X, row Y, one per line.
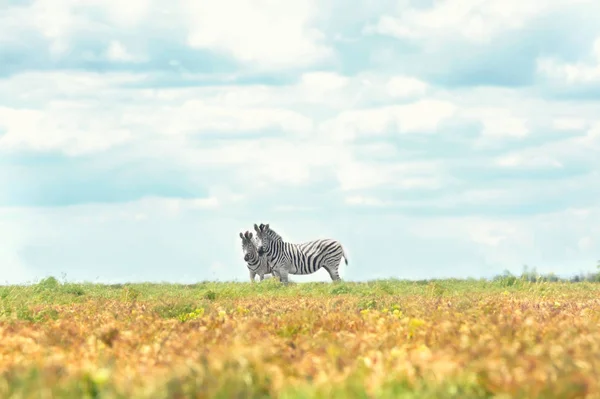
column 249, row 234
column 256, row 227
column 241, row 236
column 267, row 226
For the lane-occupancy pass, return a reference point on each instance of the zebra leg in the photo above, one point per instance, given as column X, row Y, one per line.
column 252, row 275
column 275, row 273
column 333, row 273
column 261, row 276
column 283, row 276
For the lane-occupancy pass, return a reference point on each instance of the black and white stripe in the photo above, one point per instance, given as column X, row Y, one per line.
column 304, row 258
column 257, row 265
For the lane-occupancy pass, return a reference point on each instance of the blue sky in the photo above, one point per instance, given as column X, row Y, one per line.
column 434, row 139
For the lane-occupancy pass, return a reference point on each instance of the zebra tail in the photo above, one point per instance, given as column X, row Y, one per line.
column 344, row 255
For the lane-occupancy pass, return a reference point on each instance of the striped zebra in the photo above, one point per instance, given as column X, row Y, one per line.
column 304, row 258
column 257, row 265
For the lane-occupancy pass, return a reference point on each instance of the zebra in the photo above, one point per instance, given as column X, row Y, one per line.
column 257, row 264
column 303, row 258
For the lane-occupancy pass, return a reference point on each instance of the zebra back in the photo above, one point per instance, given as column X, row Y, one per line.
column 301, row 258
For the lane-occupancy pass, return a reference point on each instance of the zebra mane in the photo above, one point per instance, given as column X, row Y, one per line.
column 265, row 230
column 274, row 235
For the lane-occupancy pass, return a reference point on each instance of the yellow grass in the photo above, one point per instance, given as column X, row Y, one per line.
column 447, row 343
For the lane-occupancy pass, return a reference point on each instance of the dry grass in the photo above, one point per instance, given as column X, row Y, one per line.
column 434, row 341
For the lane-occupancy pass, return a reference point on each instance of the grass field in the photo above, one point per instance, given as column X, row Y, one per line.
column 384, row 339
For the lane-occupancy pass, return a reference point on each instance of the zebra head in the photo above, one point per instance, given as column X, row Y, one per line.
column 264, row 237
column 248, row 246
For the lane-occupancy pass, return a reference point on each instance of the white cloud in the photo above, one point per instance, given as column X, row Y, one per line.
column 142, row 210
column 354, row 175
column 64, row 22
column 591, row 140
column 256, row 165
column 293, row 208
column 570, row 73
column 196, row 116
column 476, row 21
column 498, row 122
column 269, row 34
column 493, row 233
column 576, row 150
column 377, row 151
column 420, row 116
column 161, row 121
column 319, row 87
column 124, row 17
column 577, row 73
column 404, row 86
column 311, row 146
column 55, row 21
column 519, row 160
column 359, row 200
column 323, row 81
column 41, row 88
column 178, row 205
column 58, row 128
column 339, row 93
column 244, row 30
column 390, row 26
column 81, row 124
column 569, row 123
column 596, row 50
column 116, row 51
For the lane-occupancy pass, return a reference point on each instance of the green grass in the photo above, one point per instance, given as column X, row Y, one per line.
column 174, row 300
column 51, row 291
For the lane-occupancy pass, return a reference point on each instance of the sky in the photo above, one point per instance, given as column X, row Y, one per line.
column 455, row 138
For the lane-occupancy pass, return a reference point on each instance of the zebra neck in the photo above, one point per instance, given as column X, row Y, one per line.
column 276, row 250
column 254, row 263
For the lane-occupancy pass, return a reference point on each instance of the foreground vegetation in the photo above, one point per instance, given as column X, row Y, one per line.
column 513, row 336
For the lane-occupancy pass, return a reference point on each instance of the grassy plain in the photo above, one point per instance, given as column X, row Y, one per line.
column 383, row 339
